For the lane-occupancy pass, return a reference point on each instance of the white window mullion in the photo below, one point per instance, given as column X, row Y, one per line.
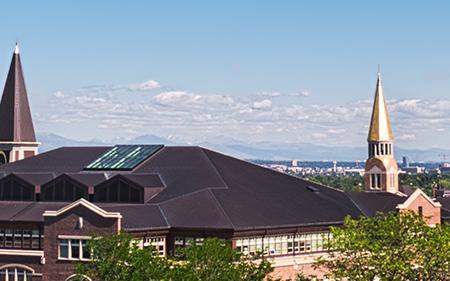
column 80, row 249
column 69, row 255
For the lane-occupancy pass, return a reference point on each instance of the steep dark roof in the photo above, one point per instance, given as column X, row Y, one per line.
column 445, row 209
column 202, row 189
column 16, row 123
column 372, row 202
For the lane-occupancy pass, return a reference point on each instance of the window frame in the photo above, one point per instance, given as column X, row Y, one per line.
column 81, row 248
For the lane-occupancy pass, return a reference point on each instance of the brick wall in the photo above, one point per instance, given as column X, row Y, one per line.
column 431, row 214
column 32, row 262
column 66, row 224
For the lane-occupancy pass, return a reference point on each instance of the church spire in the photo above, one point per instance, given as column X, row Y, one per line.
column 381, row 171
column 380, row 127
column 17, row 137
column 16, row 124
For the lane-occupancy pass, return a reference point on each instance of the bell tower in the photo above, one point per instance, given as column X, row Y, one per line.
column 381, row 171
column 17, row 138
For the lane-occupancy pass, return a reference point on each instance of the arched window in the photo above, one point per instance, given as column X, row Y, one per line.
column 15, row 189
column 118, row 189
column 16, row 272
column 64, row 189
column 3, row 157
column 75, row 277
column 375, row 181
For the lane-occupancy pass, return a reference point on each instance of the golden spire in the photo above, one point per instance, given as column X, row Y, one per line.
column 380, row 127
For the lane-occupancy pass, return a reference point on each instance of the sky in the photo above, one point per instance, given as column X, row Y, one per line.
column 273, row 71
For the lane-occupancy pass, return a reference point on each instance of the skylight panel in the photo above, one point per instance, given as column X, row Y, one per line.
column 123, row 157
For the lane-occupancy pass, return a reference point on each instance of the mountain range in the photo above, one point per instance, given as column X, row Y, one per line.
column 255, row 150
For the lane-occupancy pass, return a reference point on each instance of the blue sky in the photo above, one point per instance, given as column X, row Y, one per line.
column 252, row 70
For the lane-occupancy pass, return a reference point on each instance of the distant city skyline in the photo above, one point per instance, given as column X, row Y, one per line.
column 287, row 71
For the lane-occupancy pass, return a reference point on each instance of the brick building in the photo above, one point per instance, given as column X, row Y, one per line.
column 166, row 196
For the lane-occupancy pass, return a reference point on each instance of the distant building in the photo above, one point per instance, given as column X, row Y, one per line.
column 445, row 168
column 294, row 163
column 354, row 172
column 413, row 170
column 405, row 162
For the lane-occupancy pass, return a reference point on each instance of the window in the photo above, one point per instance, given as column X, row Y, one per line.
column 26, row 238
column 15, row 189
column 118, row 190
column 63, row 189
column 420, row 212
column 182, row 242
column 8, row 238
column 19, row 238
column 75, row 277
column 159, row 244
column 35, row 240
column 16, row 273
column 375, row 181
column 73, row 249
column 283, row 245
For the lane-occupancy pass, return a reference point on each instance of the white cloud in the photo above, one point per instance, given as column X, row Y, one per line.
column 270, row 94
column 58, row 94
column 301, row 94
column 263, row 104
column 145, row 86
column 192, row 115
column 406, row 137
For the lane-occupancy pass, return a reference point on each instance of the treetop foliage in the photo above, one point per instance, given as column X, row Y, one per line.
column 396, row 246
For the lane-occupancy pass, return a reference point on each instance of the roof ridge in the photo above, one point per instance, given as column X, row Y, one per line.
column 163, row 215
column 185, row 195
column 214, row 167
column 23, row 210
column 354, row 203
column 221, row 208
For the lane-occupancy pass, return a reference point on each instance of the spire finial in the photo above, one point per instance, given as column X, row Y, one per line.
column 379, row 71
column 16, row 49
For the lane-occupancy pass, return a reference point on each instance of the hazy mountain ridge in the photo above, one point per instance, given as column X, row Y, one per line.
column 257, row 150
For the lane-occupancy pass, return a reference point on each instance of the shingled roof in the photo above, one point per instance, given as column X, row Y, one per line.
column 16, row 123
column 203, row 189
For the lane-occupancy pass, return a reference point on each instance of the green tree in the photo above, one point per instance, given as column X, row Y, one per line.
column 345, row 183
column 118, row 258
column 390, row 247
column 215, row 260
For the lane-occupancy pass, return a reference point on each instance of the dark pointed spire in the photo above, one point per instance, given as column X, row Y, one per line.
column 16, row 124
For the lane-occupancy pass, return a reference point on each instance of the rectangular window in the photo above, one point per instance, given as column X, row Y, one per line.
column 35, row 239
column 8, row 238
column 64, row 249
column 17, row 238
column 85, row 250
column 26, row 238
column 73, row 249
column 159, row 244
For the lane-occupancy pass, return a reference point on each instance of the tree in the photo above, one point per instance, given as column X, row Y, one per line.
column 119, row 258
column 216, row 260
column 394, row 246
